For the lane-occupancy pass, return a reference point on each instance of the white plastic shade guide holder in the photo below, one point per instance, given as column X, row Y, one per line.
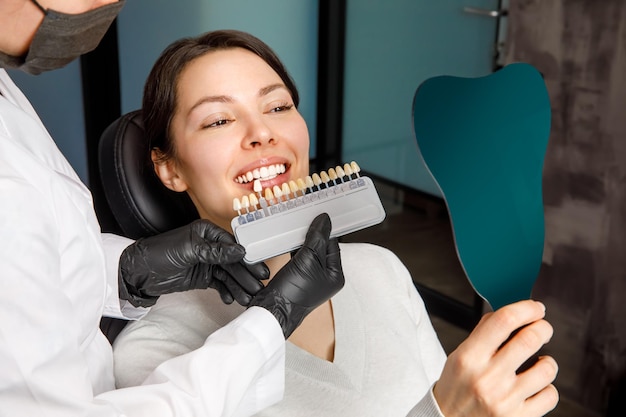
column 274, row 221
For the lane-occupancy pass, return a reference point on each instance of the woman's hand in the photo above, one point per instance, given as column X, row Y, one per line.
column 480, row 377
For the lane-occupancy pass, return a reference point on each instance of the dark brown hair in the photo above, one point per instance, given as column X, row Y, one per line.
column 160, row 91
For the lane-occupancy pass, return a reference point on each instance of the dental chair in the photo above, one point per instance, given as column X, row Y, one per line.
column 140, row 204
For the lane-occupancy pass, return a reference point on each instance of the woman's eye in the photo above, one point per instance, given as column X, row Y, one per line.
column 216, row 123
column 281, row 108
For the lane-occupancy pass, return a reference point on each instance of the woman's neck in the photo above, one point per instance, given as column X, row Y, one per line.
column 276, row 263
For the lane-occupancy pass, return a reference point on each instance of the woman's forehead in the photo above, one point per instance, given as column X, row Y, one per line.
column 237, row 65
column 225, row 76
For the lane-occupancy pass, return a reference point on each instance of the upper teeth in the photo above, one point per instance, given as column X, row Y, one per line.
column 262, row 173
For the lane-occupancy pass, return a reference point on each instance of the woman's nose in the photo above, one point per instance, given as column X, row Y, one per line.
column 258, row 134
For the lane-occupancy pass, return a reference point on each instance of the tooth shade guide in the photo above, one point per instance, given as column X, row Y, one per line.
column 355, row 168
column 303, row 190
column 313, row 188
column 273, row 200
column 237, row 205
column 269, row 196
column 263, row 202
column 341, row 177
column 344, row 179
column 348, row 170
column 325, row 178
column 280, row 206
column 317, row 181
column 310, row 194
column 332, row 175
column 352, row 204
column 293, row 187
column 290, row 197
column 245, row 202
column 241, row 219
column 286, row 190
column 301, row 186
column 257, row 187
column 277, row 193
column 325, row 184
column 253, row 200
column 340, row 172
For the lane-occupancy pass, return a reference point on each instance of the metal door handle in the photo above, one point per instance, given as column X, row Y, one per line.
column 485, row 12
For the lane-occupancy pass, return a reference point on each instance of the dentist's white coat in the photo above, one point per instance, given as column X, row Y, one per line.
column 58, row 276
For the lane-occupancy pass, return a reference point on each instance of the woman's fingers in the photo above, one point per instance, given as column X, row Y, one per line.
column 523, row 344
column 535, row 379
column 495, row 328
column 541, row 403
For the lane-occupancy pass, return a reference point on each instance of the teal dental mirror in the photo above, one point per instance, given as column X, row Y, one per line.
column 484, row 141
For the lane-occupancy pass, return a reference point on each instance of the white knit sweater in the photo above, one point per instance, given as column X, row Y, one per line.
column 387, row 355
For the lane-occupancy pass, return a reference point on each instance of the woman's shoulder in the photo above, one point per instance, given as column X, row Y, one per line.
column 376, row 273
column 363, row 260
column 348, row 249
column 368, row 254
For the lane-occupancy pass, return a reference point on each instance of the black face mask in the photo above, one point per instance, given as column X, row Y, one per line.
column 61, row 38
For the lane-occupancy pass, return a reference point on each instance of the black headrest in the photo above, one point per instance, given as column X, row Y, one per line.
column 140, row 203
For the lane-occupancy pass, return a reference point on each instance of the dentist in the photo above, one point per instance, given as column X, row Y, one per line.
column 59, row 274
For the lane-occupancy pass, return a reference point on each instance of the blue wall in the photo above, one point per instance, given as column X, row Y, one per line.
column 391, row 47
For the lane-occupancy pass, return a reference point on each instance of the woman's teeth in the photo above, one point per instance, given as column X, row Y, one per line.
column 264, row 173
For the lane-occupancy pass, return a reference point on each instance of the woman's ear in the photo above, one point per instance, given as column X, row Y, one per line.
column 165, row 169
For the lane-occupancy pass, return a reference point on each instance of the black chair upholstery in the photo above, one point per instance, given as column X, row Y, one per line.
column 141, row 205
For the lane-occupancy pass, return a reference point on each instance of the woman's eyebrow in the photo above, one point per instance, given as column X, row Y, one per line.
column 266, row 90
column 210, row 99
column 229, row 99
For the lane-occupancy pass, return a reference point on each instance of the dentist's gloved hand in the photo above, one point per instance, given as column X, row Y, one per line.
column 198, row 255
column 311, row 277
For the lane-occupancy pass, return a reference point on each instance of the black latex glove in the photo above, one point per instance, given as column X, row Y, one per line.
column 199, row 255
column 311, row 277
